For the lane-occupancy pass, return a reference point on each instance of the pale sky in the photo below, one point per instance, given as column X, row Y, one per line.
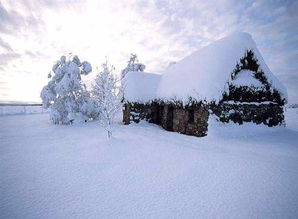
column 34, row 34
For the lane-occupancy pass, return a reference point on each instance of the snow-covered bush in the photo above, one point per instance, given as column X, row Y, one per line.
column 108, row 92
column 133, row 65
column 89, row 107
column 65, row 93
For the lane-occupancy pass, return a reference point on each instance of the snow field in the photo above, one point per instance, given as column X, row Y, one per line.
column 49, row 171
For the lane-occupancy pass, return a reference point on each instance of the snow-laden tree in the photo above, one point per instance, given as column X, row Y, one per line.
column 65, row 93
column 89, row 107
column 133, row 65
column 107, row 91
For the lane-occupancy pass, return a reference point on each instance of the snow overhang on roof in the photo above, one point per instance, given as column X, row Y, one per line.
column 140, row 87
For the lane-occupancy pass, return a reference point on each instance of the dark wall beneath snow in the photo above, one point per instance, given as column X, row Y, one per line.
column 170, row 116
column 135, row 112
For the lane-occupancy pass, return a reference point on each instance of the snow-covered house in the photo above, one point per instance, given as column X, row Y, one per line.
column 227, row 78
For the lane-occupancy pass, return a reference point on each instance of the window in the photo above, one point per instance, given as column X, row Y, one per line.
column 191, row 116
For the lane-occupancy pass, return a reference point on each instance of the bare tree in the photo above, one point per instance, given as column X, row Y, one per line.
column 108, row 92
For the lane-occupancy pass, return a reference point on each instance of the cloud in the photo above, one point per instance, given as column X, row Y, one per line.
column 7, row 57
column 159, row 31
column 190, row 25
column 5, row 45
column 12, row 21
column 35, row 54
column 3, row 85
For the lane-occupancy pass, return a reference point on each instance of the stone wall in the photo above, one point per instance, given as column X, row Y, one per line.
column 270, row 114
column 181, row 123
column 135, row 112
column 170, row 117
column 175, row 118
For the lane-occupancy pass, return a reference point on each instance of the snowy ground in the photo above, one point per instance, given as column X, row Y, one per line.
column 49, row 171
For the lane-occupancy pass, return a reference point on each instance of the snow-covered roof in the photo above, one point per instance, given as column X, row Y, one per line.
column 246, row 78
column 202, row 75
column 141, row 87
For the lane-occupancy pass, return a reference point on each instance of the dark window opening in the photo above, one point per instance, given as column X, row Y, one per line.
column 191, row 116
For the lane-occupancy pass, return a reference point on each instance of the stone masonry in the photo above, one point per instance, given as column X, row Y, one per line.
column 185, row 120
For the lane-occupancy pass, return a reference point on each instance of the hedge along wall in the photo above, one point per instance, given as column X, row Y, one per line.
column 270, row 114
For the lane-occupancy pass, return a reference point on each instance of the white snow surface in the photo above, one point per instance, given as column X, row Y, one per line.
column 204, row 74
column 141, row 86
column 246, row 78
column 51, row 171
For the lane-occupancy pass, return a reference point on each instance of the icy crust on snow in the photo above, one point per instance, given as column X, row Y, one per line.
column 140, row 86
column 204, row 74
column 246, row 78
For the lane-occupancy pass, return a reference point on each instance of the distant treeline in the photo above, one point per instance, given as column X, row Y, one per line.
column 295, row 105
column 20, row 104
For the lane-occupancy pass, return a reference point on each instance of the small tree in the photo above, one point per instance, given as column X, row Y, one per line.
column 107, row 91
column 64, row 94
column 133, row 65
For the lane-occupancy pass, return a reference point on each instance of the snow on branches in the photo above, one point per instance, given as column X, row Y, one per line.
column 108, row 92
column 133, row 65
column 65, row 94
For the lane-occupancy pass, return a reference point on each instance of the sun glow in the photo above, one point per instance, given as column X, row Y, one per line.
column 94, row 30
